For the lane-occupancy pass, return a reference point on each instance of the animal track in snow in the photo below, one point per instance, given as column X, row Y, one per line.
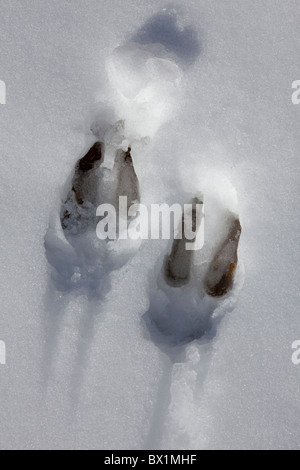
column 189, row 291
column 79, row 258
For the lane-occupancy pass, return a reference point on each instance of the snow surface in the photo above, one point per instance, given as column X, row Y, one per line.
column 204, row 88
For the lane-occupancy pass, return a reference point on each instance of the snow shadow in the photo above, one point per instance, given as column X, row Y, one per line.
column 179, row 316
column 180, row 365
column 163, row 28
column 178, row 319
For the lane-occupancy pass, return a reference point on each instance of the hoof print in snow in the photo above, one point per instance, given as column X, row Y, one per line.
column 90, row 160
column 178, row 265
column 77, row 210
column 80, row 258
column 128, row 184
column 220, row 275
column 185, row 306
column 177, row 269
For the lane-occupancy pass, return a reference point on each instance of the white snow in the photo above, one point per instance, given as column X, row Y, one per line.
column 204, row 89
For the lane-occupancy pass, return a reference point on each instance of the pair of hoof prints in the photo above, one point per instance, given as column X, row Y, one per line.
column 90, row 188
